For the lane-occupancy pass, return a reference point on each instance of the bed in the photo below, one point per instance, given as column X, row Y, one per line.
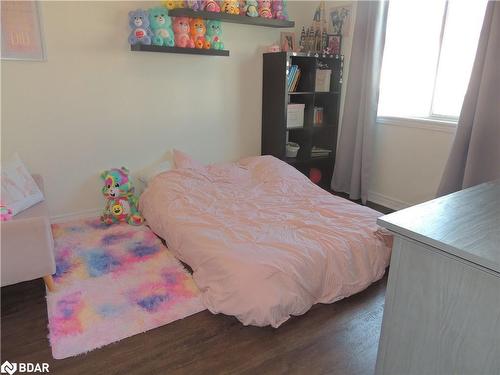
column 263, row 241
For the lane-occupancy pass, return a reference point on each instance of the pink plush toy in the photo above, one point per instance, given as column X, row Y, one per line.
column 211, row 6
column 181, row 32
column 5, row 213
column 265, row 9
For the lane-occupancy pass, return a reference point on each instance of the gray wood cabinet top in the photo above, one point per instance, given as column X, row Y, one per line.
column 465, row 224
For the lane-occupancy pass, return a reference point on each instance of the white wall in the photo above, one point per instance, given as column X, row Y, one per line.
column 94, row 104
column 409, row 159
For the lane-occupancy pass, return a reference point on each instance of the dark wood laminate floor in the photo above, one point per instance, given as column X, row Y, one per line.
column 340, row 338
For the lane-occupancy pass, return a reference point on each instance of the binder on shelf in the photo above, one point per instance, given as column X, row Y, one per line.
column 295, row 115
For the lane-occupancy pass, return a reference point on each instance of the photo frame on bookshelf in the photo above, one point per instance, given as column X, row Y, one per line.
column 334, row 44
column 288, row 42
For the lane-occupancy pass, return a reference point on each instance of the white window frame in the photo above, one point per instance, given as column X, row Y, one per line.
column 433, row 121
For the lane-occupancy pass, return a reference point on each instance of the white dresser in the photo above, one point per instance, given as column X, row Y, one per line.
column 442, row 306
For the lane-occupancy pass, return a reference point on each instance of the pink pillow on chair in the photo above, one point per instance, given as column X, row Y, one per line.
column 183, row 160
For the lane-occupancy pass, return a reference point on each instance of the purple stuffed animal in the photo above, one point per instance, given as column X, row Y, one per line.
column 139, row 25
column 195, row 5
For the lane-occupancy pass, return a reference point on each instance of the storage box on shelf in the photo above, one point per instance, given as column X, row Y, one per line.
column 317, row 91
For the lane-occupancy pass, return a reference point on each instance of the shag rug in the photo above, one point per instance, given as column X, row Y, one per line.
column 113, row 282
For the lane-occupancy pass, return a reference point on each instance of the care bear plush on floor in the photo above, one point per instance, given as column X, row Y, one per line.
column 121, row 203
column 162, row 27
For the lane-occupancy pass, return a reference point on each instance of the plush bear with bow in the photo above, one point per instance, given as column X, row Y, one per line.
column 121, row 203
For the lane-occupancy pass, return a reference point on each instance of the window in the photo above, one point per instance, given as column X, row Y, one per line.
column 429, row 51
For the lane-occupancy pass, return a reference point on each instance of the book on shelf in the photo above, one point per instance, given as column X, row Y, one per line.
column 318, row 152
column 296, row 81
column 293, row 78
column 318, row 116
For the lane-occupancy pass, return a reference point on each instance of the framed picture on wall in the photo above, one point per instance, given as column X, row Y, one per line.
column 340, row 20
column 21, row 31
column 333, row 45
column 287, row 42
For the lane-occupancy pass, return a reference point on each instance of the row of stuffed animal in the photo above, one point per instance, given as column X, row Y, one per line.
column 252, row 8
column 155, row 27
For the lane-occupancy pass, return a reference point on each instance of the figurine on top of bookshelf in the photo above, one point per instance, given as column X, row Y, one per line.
column 211, row 6
column 265, row 9
column 195, row 5
column 279, row 10
column 198, row 31
column 230, row 6
column 140, row 30
column 314, row 38
column 181, row 32
column 302, row 40
column 174, row 4
column 161, row 25
column 251, row 8
column 214, row 34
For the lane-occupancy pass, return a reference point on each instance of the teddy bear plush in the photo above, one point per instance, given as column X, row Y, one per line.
column 214, row 34
column 265, row 9
column 198, row 31
column 230, row 6
column 162, row 27
column 140, row 31
column 174, row 4
column 121, row 203
column 251, row 8
column 195, row 5
column 181, row 32
column 279, row 10
column 211, row 6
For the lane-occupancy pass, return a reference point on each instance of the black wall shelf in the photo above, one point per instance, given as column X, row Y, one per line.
column 232, row 18
column 191, row 51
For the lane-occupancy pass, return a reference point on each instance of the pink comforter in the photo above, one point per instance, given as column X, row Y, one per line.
column 263, row 241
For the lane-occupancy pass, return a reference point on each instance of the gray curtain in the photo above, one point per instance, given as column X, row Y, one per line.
column 475, row 154
column 354, row 153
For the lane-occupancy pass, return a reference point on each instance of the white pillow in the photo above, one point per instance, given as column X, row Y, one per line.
column 19, row 190
column 147, row 174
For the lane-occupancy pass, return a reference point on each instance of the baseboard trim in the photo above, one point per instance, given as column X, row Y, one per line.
column 84, row 214
column 386, row 201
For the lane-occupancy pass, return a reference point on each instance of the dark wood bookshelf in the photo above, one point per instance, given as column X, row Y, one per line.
column 276, row 97
column 191, row 51
column 231, row 18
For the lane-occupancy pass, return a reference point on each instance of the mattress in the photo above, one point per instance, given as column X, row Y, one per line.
column 264, row 242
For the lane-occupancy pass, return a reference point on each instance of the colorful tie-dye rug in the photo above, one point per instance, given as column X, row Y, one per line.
column 113, row 282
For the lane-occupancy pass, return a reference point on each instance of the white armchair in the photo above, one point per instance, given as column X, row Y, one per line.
column 27, row 250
